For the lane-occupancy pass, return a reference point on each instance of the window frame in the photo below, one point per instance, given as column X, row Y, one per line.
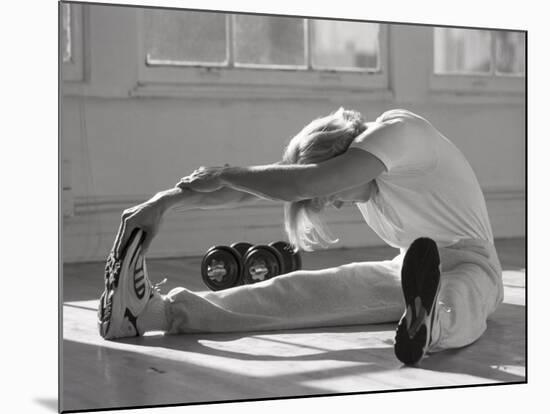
column 475, row 83
column 264, row 78
column 73, row 71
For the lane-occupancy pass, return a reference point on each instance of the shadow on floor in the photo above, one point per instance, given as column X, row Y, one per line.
column 501, row 346
column 198, row 343
column 102, row 378
column 209, row 367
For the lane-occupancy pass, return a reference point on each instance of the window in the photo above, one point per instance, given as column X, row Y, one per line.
column 345, row 45
column 70, row 37
column 268, row 42
column 478, row 60
column 181, row 46
column 185, row 38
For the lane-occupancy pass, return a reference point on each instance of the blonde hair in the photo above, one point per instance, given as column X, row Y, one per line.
column 322, row 139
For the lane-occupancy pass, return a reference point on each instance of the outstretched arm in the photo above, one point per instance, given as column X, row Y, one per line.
column 290, row 182
column 182, row 199
column 215, row 187
column 305, row 181
column 149, row 215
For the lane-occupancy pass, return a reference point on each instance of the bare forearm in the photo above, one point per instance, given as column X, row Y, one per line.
column 148, row 215
column 186, row 199
column 274, row 181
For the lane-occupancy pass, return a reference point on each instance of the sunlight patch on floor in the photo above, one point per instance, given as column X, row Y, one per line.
column 243, row 356
column 511, row 369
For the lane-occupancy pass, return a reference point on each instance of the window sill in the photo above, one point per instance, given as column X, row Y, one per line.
column 468, row 97
column 477, row 89
column 267, row 93
column 226, row 92
column 263, row 92
column 82, row 89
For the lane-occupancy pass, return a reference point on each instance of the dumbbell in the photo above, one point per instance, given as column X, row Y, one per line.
column 241, row 263
column 291, row 258
column 222, row 266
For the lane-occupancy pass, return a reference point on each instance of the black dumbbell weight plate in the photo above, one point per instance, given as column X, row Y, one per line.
column 221, row 268
column 291, row 259
column 261, row 263
column 241, row 247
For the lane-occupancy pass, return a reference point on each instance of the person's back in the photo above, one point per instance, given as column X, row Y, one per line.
column 428, row 190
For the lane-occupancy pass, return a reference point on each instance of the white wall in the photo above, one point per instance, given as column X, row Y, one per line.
column 118, row 148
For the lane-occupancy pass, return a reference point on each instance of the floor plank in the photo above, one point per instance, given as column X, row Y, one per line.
column 161, row 369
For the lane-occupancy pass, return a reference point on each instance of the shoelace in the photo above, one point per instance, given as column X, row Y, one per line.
column 156, row 286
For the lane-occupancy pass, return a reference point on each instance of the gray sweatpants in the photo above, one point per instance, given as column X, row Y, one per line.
column 351, row 294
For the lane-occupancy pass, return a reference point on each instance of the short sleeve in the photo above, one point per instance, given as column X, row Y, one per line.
column 397, row 143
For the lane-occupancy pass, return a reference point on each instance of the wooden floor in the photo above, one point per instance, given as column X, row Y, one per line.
column 156, row 370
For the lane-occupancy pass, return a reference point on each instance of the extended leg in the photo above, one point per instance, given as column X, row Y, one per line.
column 356, row 293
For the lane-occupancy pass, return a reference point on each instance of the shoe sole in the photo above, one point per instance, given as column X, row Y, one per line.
column 112, row 304
column 420, row 281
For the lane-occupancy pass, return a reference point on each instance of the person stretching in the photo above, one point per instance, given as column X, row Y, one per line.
column 414, row 188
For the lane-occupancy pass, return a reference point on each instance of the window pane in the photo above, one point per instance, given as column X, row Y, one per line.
column 510, row 53
column 260, row 40
column 341, row 45
column 463, row 51
column 66, row 32
column 173, row 37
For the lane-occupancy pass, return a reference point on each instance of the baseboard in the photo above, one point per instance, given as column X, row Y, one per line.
column 89, row 232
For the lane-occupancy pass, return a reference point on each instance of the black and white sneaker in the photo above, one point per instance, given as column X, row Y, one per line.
column 127, row 291
column 420, row 281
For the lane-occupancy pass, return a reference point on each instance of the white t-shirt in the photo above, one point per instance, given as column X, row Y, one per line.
column 428, row 190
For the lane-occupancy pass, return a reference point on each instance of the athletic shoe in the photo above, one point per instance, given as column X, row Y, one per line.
column 420, row 281
column 127, row 291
